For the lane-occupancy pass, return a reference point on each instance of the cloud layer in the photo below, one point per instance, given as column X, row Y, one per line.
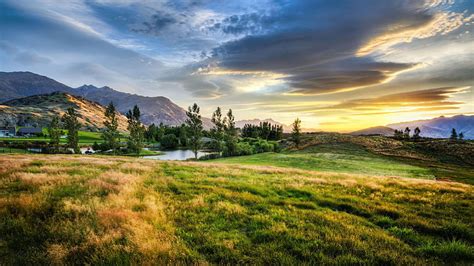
column 280, row 58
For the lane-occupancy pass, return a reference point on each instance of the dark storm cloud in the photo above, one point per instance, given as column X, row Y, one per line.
column 314, row 43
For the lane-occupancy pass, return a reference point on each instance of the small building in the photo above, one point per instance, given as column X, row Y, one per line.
column 206, row 140
column 30, row 131
column 7, row 131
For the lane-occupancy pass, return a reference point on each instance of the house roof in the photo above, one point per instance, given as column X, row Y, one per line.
column 30, row 130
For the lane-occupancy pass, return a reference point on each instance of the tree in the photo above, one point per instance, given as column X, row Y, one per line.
column 169, row 141
column 416, row 134
column 454, row 134
column 194, row 123
column 183, row 135
column 296, row 133
column 230, row 124
column 218, row 131
column 230, row 134
column 111, row 134
column 406, row 134
column 54, row 132
column 398, row 134
column 461, row 136
column 136, row 129
column 72, row 125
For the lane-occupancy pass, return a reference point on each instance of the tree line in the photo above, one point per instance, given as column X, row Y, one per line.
column 405, row 134
column 223, row 134
column 264, row 130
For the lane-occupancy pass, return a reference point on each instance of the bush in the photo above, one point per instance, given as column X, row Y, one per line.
column 169, row 141
column 244, row 148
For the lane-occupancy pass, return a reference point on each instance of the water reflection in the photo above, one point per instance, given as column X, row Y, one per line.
column 177, row 155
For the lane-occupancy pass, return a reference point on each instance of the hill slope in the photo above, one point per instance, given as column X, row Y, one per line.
column 153, row 109
column 380, row 130
column 39, row 110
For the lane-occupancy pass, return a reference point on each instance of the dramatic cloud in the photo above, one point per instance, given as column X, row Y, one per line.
column 320, row 57
column 424, row 98
column 326, row 61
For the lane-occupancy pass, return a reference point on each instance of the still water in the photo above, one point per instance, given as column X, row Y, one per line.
column 178, row 155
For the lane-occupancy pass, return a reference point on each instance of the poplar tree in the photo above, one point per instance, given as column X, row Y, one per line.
column 111, row 134
column 54, row 132
column 72, row 125
column 136, row 129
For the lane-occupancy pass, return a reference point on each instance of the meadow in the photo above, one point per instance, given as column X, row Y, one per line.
column 85, row 138
column 58, row 209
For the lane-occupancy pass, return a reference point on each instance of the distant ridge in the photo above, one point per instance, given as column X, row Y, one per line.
column 439, row 127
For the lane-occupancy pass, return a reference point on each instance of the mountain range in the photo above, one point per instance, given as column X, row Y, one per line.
column 155, row 110
column 439, row 127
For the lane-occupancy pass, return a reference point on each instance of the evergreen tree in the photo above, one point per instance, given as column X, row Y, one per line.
column 54, row 132
column 398, row 134
column 296, row 133
column 230, row 134
column 218, row 132
column 194, row 123
column 406, row 134
column 229, row 122
column 461, row 136
column 72, row 125
column 416, row 134
column 111, row 134
column 265, row 129
column 454, row 134
column 136, row 129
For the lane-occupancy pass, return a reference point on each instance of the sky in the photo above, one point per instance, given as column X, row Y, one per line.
column 337, row 65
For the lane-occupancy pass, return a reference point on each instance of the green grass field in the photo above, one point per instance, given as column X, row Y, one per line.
column 352, row 158
column 59, row 209
column 85, row 137
column 340, row 157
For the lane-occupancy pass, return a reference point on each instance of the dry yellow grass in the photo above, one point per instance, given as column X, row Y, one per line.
column 89, row 210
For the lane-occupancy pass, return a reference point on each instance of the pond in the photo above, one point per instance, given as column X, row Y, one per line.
column 177, row 155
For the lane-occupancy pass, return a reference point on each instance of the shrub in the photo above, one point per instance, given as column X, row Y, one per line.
column 244, row 148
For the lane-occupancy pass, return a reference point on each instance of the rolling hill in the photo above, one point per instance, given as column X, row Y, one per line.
column 38, row 110
column 380, row 130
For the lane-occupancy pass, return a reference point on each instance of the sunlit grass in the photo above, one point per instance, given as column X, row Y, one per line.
column 116, row 210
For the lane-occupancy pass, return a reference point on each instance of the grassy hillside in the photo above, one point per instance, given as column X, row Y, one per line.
column 374, row 155
column 40, row 109
column 339, row 157
column 72, row 209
